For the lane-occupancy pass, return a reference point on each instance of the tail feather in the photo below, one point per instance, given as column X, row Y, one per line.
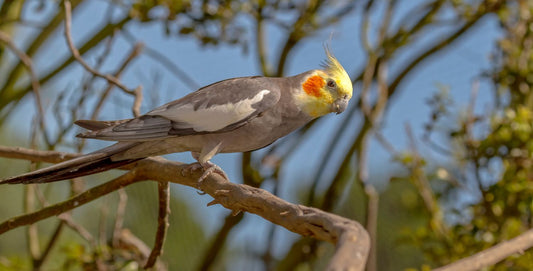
column 84, row 165
column 95, row 125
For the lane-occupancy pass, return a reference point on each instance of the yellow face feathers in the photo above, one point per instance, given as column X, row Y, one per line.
column 323, row 90
column 336, row 72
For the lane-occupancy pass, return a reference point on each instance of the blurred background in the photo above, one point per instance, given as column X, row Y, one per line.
column 433, row 155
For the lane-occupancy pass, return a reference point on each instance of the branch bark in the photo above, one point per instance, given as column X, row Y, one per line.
column 163, row 189
column 351, row 240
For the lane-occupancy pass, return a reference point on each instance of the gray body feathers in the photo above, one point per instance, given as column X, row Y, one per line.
column 235, row 115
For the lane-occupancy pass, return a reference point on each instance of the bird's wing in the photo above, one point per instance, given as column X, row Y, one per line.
column 219, row 107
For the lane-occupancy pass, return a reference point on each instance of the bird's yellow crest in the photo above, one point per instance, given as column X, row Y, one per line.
column 323, row 87
column 335, row 70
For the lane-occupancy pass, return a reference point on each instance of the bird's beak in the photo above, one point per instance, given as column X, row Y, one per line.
column 340, row 104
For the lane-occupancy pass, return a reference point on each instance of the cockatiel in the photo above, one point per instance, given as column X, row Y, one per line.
column 234, row 115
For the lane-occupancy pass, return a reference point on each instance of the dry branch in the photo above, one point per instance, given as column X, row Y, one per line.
column 73, row 202
column 28, row 63
column 163, row 191
column 119, row 217
column 35, row 155
column 352, row 241
column 137, row 92
column 493, row 255
column 136, row 51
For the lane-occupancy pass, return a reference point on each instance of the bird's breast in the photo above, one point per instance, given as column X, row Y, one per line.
column 261, row 131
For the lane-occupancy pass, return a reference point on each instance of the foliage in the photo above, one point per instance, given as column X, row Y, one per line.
column 493, row 153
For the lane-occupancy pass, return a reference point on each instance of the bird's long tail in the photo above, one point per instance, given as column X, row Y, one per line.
column 91, row 163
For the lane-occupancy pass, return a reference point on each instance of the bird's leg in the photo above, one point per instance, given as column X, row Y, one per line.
column 208, row 167
column 203, row 161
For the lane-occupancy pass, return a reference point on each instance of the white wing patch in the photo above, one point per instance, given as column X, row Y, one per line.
column 209, row 119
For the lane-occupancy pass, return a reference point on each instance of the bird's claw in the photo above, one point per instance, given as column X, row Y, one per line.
column 208, row 167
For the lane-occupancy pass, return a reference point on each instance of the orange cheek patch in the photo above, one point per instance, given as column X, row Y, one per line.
column 313, row 85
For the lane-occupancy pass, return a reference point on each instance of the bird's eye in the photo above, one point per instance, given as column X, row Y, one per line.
column 331, row 84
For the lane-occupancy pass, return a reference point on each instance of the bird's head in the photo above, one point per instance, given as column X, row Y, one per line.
column 327, row 90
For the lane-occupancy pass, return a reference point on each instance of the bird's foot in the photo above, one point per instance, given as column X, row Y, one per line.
column 208, row 167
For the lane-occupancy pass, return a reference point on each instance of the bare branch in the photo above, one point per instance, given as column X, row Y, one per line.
column 421, row 181
column 38, row 263
column 74, row 202
column 260, row 40
column 35, row 155
column 132, row 243
column 137, row 92
column 31, row 232
column 493, row 255
column 163, row 189
column 28, row 63
column 137, row 49
column 67, row 219
column 84, row 233
column 351, row 239
column 121, row 210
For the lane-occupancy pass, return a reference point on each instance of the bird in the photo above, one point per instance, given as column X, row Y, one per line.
column 234, row 115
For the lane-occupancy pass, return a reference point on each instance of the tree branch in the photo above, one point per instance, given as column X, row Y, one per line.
column 137, row 49
column 35, row 155
column 137, row 92
column 74, row 202
column 492, row 255
column 352, row 241
column 163, row 189
column 28, row 63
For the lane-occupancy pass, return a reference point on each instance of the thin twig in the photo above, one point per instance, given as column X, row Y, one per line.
column 121, row 211
column 372, row 199
column 137, row 92
column 67, row 219
column 84, row 233
column 137, row 49
column 261, row 42
column 102, row 223
column 163, row 191
column 77, row 56
column 74, row 202
column 421, row 181
column 165, row 61
column 31, row 232
column 372, row 225
column 131, row 242
column 28, row 63
column 46, row 252
column 36, row 155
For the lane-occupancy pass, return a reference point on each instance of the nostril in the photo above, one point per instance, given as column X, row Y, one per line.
column 345, row 96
